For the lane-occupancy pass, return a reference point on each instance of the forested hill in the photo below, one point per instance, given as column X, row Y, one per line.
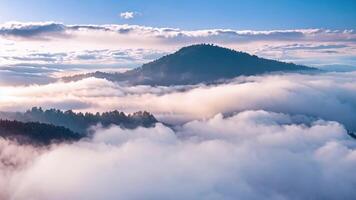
column 80, row 122
column 196, row 64
column 36, row 133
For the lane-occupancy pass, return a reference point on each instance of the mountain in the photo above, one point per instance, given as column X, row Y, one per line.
column 352, row 134
column 196, row 64
column 36, row 133
column 80, row 122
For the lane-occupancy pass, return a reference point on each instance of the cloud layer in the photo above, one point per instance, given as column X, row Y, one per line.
column 36, row 30
column 250, row 155
column 329, row 96
column 45, row 44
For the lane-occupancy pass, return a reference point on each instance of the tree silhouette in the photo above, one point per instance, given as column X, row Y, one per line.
column 80, row 122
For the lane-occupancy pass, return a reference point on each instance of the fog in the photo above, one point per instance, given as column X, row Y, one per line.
column 277, row 136
column 330, row 96
column 249, row 155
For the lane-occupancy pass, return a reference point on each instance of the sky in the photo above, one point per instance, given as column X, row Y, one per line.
column 185, row 14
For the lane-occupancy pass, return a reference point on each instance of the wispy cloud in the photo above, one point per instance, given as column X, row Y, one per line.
column 36, row 30
column 128, row 15
column 96, row 44
column 48, row 28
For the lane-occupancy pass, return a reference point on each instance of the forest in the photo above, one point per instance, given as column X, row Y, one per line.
column 36, row 133
column 80, row 122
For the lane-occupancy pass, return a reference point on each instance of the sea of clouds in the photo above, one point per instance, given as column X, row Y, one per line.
column 329, row 96
column 277, row 136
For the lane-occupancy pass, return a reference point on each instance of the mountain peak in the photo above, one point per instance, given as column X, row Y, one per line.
column 206, row 63
column 200, row 47
column 200, row 63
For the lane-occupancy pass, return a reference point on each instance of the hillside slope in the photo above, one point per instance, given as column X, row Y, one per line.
column 196, row 64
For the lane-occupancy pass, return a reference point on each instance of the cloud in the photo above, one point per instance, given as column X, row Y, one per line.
column 231, row 140
column 51, row 65
column 321, row 46
column 33, row 30
column 294, row 94
column 21, row 75
column 310, row 47
column 117, row 56
column 38, row 57
column 128, row 15
column 250, row 155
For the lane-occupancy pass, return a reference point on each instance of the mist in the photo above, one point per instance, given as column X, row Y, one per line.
column 276, row 136
column 249, row 155
column 329, row 96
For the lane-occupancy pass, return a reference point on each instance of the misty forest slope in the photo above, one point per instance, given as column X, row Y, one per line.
column 36, row 133
column 80, row 122
column 196, row 64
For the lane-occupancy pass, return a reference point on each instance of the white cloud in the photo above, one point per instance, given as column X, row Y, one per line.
column 314, row 46
column 302, row 94
column 20, row 29
column 251, row 155
column 128, row 15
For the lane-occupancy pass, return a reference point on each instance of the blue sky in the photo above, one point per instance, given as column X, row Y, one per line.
column 185, row 14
